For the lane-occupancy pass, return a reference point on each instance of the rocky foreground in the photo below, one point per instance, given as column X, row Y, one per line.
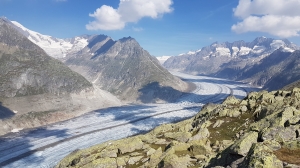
column 260, row 131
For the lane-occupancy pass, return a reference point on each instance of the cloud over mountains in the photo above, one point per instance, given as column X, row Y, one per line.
column 277, row 17
column 129, row 11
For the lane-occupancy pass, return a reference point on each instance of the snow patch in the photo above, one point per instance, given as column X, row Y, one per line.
column 245, row 50
column 258, row 49
column 221, row 51
column 286, row 49
column 163, row 59
column 55, row 47
column 15, row 130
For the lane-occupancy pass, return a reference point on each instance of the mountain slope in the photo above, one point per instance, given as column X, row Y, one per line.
column 290, row 72
column 272, row 72
column 36, row 89
column 125, row 69
column 27, row 69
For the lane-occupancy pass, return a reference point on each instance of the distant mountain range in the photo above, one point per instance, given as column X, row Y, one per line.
column 239, row 61
column 121, row 67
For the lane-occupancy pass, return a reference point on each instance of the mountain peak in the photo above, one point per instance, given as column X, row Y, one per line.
column 4, row 20
column 124, row 39
column 262, row 39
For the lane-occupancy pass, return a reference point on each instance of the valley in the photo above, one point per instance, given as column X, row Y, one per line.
column 46, row 146
column 102, row 84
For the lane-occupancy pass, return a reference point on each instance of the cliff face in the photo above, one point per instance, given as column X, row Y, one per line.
column 125, row 69
column 261, row 130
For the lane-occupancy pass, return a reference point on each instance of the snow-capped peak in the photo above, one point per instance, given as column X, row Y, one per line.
column 190, row 53
column 55, row 47
column 162, row 59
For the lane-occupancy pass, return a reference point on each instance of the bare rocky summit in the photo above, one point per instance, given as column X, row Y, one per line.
column 125, row 69
column 261, row 130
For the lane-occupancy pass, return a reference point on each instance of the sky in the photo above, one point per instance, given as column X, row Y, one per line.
column 162, row 27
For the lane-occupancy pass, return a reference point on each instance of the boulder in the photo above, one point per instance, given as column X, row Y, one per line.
column 243, row 108
column 279, row 134
column 261, row 156
column 202, row 134
column 155, row 158
column 178, row 136
column 179, row 146
column 162, row 128
column 201, row 147
column 150, row 151
column 130, row 145
column 102, row 163
column 231, row 100
column 134, row 160
column 267, row 97
column 122, row 161
column 243, row 145
column 233, row 112
column 173, row 161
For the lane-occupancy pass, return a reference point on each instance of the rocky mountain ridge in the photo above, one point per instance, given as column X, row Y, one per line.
column 125, row 69
column 261, row 130
column 27, row 69
column 211, row 59
column 121, row 67
column 36, row 89
column 250, row 62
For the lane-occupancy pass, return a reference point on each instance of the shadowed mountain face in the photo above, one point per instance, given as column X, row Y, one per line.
column 289, row 72
column 274, row 71
column 122, row 67
column 27, row 70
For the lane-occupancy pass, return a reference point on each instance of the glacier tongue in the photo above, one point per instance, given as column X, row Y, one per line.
column 55, row 47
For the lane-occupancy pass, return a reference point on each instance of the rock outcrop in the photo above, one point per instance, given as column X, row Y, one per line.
column 261, row 130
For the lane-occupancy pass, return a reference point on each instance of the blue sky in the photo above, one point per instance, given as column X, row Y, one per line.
column 165, row 27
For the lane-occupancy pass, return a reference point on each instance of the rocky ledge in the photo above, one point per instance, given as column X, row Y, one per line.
column 261, row 130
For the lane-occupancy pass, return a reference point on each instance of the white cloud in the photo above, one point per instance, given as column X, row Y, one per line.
column 277, row 17
column 108, row 18
column 137, row 29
